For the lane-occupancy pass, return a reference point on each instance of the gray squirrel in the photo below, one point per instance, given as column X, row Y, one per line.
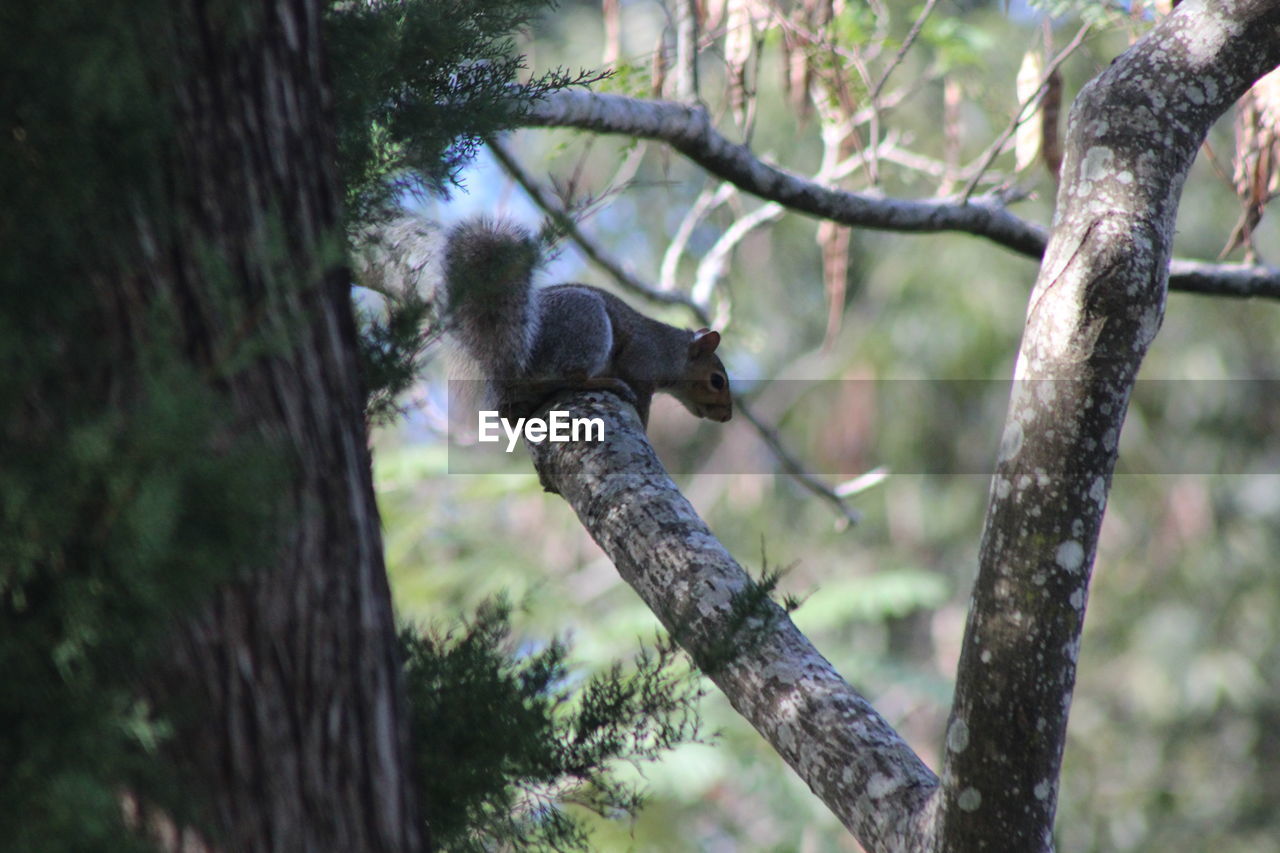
column 530, row 343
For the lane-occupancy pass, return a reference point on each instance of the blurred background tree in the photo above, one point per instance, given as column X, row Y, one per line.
column 900, row 347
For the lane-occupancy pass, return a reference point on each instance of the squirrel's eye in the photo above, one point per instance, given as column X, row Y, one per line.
column 717, row 382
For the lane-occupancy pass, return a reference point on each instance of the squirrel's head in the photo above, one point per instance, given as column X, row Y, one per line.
column 704, row 390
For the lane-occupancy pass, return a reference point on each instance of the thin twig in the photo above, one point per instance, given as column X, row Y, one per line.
column 912, row 35
column 708, row 200
column 564, row 221
column 1021, row 115
column 873, row 164
column 795, row 469
column 711, row 267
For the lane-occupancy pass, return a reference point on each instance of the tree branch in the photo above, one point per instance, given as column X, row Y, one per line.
column 688, row 129
column 1217, row 279
column 907, row 42
column 772, row 675
column 795, row 468
column 1095, row 309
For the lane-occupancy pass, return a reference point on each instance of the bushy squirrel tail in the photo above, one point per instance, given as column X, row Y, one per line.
column 488, row 277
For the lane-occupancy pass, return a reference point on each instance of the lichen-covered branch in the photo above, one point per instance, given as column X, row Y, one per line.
column 847, row 754
column 1096, row 306
column 690, row 131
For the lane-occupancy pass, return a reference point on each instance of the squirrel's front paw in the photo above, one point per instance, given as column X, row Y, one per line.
column 620, row 388
column 610, row 383
column 546, row 484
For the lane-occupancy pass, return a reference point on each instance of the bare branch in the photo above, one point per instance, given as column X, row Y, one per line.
column 1218, row 279
column 876, row 108
column 712, row 266
column 708, row 200
column 912, row 35
column 689, row 130
column 795, row 468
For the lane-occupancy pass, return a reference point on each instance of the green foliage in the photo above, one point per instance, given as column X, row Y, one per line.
column 391, row 351
column 418, row 83
column 1092, row 11
column 752, row 614
column 502, row 742
column 958, row 43
column 888, row 594
column 80, row 133
column 122, row 498
column 108, row 527
column 853, row 25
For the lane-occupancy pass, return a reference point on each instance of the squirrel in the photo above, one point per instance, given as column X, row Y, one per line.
column 530, row 343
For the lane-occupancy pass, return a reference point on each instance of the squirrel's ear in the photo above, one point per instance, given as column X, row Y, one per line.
column 704, row 342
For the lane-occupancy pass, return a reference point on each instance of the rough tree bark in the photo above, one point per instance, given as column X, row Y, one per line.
column 829, row 733
column 1096, row 306
column 298, row 740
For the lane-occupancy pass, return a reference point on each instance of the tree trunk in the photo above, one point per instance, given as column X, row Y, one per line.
column 299, row 738
column 1096, row 307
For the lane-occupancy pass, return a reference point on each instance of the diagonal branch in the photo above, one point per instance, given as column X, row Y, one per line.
column 907, row 42
column 828, row 732
column 689, row 130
